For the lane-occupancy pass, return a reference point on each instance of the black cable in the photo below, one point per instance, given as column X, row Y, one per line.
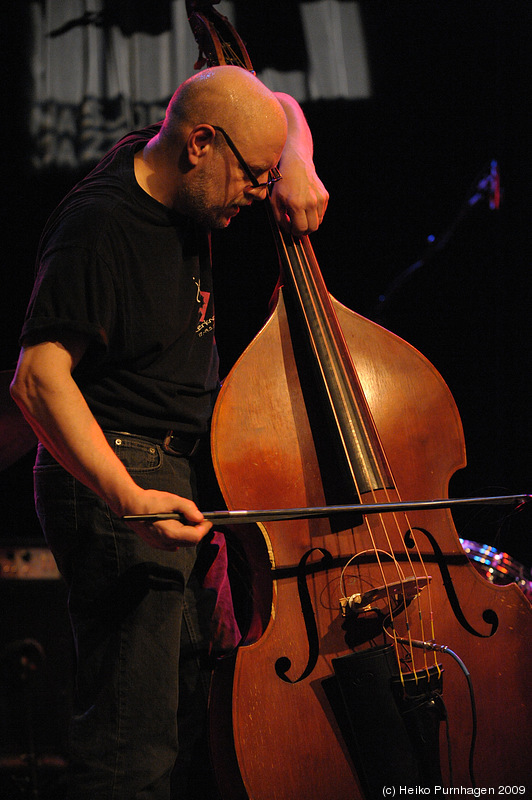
column 442, row 648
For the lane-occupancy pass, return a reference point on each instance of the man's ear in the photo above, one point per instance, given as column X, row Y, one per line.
column 200, row 139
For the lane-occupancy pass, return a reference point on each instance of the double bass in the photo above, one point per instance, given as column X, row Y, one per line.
column 377, row 660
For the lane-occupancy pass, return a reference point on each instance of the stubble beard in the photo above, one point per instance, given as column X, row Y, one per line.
column 195, row 204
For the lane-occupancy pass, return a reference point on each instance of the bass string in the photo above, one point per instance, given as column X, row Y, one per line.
column 314, row 288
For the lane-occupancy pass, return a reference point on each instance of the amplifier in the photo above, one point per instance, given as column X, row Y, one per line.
column 33, row 562
column 36, row 653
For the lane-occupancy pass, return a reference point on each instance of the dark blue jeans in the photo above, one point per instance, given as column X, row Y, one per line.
column 128, row 604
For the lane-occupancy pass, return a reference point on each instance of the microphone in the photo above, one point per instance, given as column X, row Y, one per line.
column 488, row 187
column 494, row 187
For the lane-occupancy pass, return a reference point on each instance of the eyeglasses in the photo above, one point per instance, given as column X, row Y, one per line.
column 273, row 176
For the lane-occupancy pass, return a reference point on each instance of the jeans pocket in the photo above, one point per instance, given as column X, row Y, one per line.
column 136, row 455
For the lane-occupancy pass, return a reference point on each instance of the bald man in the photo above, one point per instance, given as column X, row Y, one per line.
column 117, row 376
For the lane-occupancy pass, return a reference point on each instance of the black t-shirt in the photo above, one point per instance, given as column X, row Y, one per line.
column 135, row 277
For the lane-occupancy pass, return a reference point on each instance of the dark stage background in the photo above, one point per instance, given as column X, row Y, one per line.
column 449, row 96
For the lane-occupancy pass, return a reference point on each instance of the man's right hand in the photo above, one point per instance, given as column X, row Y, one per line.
column 168, row 534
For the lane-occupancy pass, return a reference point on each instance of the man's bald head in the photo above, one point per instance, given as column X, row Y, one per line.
column 228, row 96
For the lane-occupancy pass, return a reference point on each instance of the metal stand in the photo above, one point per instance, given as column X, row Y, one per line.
column 26, row 775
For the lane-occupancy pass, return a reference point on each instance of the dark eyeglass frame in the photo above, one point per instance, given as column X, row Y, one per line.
column 274, row 174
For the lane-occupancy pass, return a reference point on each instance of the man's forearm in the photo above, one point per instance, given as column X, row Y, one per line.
column 53, row 405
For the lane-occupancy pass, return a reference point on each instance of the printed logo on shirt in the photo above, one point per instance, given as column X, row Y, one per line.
column 204, row 325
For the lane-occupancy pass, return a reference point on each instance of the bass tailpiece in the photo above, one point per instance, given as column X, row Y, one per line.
column 390, row 723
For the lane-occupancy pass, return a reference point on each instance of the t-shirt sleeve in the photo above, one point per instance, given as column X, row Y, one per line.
column 74, row 291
